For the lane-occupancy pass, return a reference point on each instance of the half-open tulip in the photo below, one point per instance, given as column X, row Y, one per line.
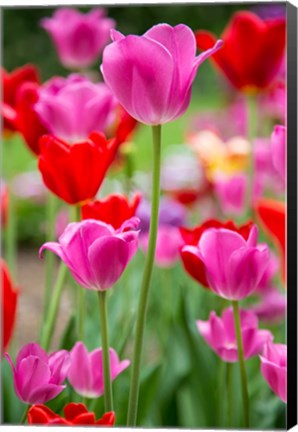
column 85, row 373
column 9, row 305
column 75, row 414
column 95, row 253
column 73, row 107
column 232, row 265
column 157, row 71
column 79, row 38
column 274, row 368
column 114, row 209
column 253, row 50
column 37, row 376
column 74, row 172
column 220, row 334
column 192, row 263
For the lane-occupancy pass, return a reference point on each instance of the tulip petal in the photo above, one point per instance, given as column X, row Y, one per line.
column 80, row 373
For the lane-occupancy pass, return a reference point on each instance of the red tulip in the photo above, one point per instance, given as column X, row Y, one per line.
column 114, row 209
column 125, row 126
column 192, row 264
column 9, row 305
column 75, row 414
column 11, row 83
column 74, row 172
column 252, row 52
column 272, row 215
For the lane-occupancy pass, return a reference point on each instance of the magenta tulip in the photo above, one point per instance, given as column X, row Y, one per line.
column 220, row 334
column 274, row 368
column 38, row 377
column 85, row 372
column 95, row 253
column 73, row 107
column 278, row 147
column 233, row 266
column 79, row 38
column 157, row 71
column 231, row 192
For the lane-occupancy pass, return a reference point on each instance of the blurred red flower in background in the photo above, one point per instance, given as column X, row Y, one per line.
column 9, row 305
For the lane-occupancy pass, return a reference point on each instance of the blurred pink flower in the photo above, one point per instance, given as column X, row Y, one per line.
column 29, row 185
column 231, row 192
column 220, row 334
column 274, row 368
column 278, row 149
column 79, row 38
column 273, row 103
column 272, row 307
column 168, row 244
column 85, row 373
column 271, row 271
column 233, row 266
column 157, row 70
column 62, row 220
column 37, row 376
column 73, row 107
column 95, row 253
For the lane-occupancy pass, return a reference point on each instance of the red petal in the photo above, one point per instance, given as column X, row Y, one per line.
column 41, row 414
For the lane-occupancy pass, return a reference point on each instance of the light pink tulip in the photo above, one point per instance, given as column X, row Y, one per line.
column 79, row 38
column 231, row 192
column 85, row 372
column 278, row 143
column 37, row 376
column 274, row 368
column 157, row 71
column 233, row 266
column 220, row 334
column 95, row 253
column 73, row 107
column 272, row 307
column 167, row 245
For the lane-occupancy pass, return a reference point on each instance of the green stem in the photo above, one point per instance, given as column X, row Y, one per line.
column 143, row 300
column 229, row 383
column 50, row 257
column 24, row 415
column 49, row 325
column 251, row 135
column 129, row 169
column 108, row 395
column 241, row 363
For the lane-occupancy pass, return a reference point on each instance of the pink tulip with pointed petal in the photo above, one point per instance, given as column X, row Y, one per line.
column 85, row 372
column 95, row 253
column 220, row 334
column 157, row 71
column 38, row 377
column 274, row 368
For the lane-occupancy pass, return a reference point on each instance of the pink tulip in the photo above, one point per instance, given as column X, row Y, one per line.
column 73, row 107
column 95, row 253
column 233, row 266
column 272, row 307
column 271, row 271
column 157, row 71
column 79, row 38
column 38, row 377
column 85, row 372
column 274, row 368
column 278, row 140
column 231, row 192
column 168, row 244
column 220, row 334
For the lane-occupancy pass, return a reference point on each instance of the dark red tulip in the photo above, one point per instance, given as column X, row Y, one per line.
column 74, row 172
column 114, row 209
column 75, row 414
column 192, row 264
column 272, row 215
column 252, row 52
column 11, row 83
column 9, row 305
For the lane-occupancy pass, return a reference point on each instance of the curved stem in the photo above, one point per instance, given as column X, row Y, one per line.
column 143, row 300
column 108, row 395
column 49, row 325
column 24, row 415
column 241, row 363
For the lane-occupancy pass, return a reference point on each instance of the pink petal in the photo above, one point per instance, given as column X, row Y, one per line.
column 80, row 373
column 59, row 363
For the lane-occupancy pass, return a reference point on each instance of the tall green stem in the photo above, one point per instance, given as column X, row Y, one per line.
column 251, row 135
column 108, row 395
column 143, row 300
column 51, row 317
column 241, row 364
column 229, row 384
